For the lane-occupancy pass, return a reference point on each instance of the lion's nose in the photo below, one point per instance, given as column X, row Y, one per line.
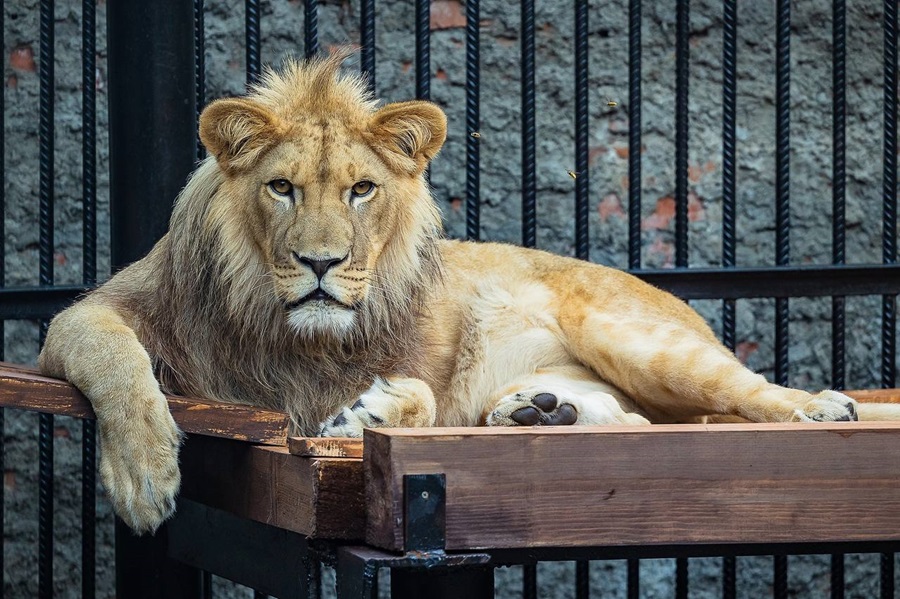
column 318, row 265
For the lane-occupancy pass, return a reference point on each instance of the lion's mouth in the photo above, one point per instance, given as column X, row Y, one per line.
column 317, row 294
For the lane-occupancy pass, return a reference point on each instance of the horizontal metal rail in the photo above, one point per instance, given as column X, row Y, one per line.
column 34, row 303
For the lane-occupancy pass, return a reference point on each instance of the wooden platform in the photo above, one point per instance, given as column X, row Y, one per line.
column 626, row 486
column 540, row 487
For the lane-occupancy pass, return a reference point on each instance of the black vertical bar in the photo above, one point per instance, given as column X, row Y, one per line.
column 2, row 323
column 529, row 182
column 838, row 221
column 682, row 65
column 251, row 26
column 46, row 158
column 838, row 180
column 582, row 579
column 681, row 578
column 634, row 579
column 729, row 572
column 473, row 175
column 207, row 583
column 634, row 189
column 889, row 232
column 529, row 581
column 89, row 277
column 837, row 576
column 367, row 35
column 311, row 27
column 782, row 182
column 152, row 106
column 729, row 169
column 783, row 220
column 199, row 67
column 634, row 134
column 582, row 179
column 423, row 49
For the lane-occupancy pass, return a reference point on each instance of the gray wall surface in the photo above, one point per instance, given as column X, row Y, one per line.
column 282, row 27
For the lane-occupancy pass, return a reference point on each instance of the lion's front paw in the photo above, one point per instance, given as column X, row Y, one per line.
column 827, row 406
column 372, row 410
column 139, row 468
column 389, row 402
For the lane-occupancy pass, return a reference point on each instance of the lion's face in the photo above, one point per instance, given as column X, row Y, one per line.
column 332, row 198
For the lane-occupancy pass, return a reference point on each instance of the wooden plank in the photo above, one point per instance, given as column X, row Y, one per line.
column 326, row 447
column 622, row 486
column 26, row 389
column 875, row 395
column 318, row 497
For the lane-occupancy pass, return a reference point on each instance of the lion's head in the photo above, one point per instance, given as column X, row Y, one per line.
column 317, row 200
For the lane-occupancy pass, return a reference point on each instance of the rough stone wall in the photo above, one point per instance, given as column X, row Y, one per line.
column 501, row 203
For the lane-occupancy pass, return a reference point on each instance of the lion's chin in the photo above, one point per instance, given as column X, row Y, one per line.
column 316, row 318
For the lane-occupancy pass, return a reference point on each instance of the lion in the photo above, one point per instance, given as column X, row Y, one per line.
column 305, row 271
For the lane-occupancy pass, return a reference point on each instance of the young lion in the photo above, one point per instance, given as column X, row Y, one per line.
column 304, row 270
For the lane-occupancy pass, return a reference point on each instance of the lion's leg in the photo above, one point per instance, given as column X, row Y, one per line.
column 676, row 372
column 561, row 396
column 389, row 403
column 92, row 346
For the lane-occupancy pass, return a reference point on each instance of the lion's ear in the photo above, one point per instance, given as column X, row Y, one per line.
column 237, row 131
column 409, row 134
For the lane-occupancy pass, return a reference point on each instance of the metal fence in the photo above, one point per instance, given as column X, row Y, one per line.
column 152, row 82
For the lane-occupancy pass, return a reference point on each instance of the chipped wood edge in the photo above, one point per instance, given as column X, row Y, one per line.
column 326, row 447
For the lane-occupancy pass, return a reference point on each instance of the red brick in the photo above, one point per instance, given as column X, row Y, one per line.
column 696, row 211
column 22, row 59
column 662, row 215
column 447, row 14
column 745, row 349
column 610, row 205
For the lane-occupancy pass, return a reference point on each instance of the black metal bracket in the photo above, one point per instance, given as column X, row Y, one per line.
column 424, row 510
column 357, row 567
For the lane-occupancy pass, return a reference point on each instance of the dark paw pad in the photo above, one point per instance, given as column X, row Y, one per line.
column 526, row 416
column 545, row 401
column 546, row 411
column 564, row 416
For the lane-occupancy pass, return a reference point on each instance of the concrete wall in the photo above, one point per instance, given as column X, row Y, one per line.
column 500, row 175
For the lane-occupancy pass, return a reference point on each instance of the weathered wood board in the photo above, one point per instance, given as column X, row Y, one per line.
column 319, row 497
column 326, row 447
column 26, row 389
column 875, row 395
column 665, row 484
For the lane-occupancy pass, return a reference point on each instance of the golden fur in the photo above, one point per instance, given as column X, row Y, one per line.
column 340, row 303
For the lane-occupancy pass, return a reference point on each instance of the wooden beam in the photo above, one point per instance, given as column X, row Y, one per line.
column 326, row 447
column 318, row 497
column 625, row 486
column 26, row 389
column 875, row 395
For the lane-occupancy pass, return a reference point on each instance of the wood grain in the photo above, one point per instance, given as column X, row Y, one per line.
column 875, row 395
column 318, row 497
column 26, row 389
column 621, row 486
column 326, row 447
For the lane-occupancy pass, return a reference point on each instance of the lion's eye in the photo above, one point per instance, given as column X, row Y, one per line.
column 282, row 187
column 362, row 189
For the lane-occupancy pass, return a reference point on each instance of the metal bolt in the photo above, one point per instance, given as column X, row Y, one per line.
column 425, row 495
